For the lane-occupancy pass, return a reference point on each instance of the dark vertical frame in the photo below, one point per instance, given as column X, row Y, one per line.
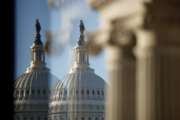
column 7, row 58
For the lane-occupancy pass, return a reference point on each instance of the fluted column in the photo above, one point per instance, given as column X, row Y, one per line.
column 121, row 90
column 119, row 21
column 158, row 62
column 157, row 52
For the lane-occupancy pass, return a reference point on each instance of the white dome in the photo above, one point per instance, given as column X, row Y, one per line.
column 78, row 82
column 31, row 93
column 81, row 94
column 31, row 83
column 82, row 89
column 32, row 80
column 31, row 89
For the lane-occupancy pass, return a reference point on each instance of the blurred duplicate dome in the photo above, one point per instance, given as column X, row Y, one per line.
column 31, row 89
column 80, row 96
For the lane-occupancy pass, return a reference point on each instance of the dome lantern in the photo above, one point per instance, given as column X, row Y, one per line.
column 37, row 49
column 81, row 58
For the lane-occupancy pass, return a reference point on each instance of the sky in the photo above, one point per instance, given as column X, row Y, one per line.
column 63, row 22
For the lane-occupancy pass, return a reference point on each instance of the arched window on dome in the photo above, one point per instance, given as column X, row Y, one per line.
column 64, row 96
column 17, row 92
column 44, row 92
column 39, row 92
column 65, row 92
column 77, row 92
column 87, row 92
column 98, row 93
column 97, row 107
column 27, row 92
column 96, row 118
column 82, row 92
column 21, row 94
column 102, row 92
column 93, row 92
column 32, row 92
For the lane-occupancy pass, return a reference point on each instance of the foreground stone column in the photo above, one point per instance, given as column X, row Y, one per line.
column 158, row 66
column 121, row 91
column 119, row 20
column 157, row 52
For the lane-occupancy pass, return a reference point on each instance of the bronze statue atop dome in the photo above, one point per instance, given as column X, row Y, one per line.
column 38, row 26
column 38, row 36
column 82, row 28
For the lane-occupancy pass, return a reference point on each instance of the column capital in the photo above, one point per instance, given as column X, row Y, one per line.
column 97, row 4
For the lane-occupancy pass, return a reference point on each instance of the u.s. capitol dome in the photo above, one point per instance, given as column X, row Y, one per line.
column 81, row 95
column 31, row 89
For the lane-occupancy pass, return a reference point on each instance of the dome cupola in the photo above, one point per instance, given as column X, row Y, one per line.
column 81, row 57
column 38, row 54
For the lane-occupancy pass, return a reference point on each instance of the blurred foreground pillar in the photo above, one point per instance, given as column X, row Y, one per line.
column 158, row 56
column 121, row 91
column 116, row 34
column 156, row 24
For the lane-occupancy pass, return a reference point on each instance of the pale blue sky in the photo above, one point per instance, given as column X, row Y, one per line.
column 26, row 13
